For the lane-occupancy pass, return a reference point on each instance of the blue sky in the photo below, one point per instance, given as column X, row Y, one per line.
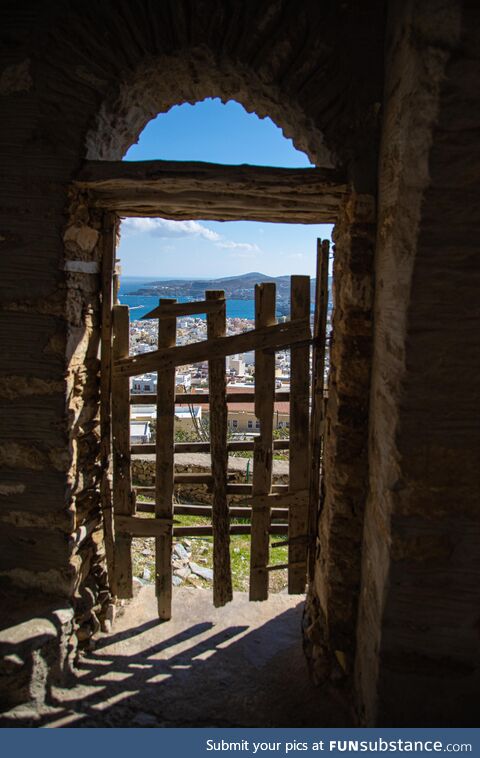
column 211, row 131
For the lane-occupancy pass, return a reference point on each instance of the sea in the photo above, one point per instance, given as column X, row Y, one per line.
column 141, row 304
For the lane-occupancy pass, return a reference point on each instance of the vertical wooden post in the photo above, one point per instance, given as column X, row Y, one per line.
column 222, row 577
column 123, row 502
column 318, row 382
column 108, row 263
column 299, row 440
column 164, row 467
column 263, row 445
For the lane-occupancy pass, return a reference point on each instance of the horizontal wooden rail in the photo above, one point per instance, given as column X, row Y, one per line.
column 274, row 337
column 204, row 447
column 168, row 310
column 235, row 529
column 193, row 398
column 187, row 509
column 194, row 190
column 232, row 489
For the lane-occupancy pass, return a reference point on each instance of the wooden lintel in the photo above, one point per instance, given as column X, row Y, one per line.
column 193, row 190
column 278, row 337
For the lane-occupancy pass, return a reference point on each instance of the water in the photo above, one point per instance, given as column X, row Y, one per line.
column 142, row 304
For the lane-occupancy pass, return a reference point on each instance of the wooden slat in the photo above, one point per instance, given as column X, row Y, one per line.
column 274, row 337
column 194, row 190
column 204, row 447
column 318, row 385
column 263, row 445
column 293, row 500
column 235, row 529
column 299, row 438
column 185, row 309
column 164, row 468
column 123, row 502
column 205, row 511
column 246, row 489
column 108, row 266
column 196, row 398
column 135, row 526
column 217, row 382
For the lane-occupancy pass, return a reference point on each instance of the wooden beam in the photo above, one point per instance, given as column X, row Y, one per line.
column 194, row 190
column 235, row 529
column 108, row 267
column 274, row 337
column 185, row 309
column 217, row 382
column 246, row 489
column 134, row 526
column 263, row 445
column 204, row 447
column 318, row 386
column 193, row 398
column 205, row 511
column 164, row 468
column 123, row 502
column 299, row 438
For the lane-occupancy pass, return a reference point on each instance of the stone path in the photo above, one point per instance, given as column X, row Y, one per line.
column 241, row 665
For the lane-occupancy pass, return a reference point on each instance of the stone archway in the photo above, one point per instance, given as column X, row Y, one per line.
column 83, row 66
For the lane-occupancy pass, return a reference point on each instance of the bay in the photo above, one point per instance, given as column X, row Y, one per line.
column 141, row 304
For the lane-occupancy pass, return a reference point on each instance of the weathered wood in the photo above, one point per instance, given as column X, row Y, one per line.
column 299, row 438
column 108, row 266
column 217, row 382
column 263, row 445
column 123, row 502
column 246, row 489
column 204, row 447
column 205, row 511
column 318, row 386
column 275, row 337
column 164, row 468
column 135, row 526
column 282, row 566
column 185, row 309
column 292, row 500
column 189, row 398
column 193, row 190
column 235, row 529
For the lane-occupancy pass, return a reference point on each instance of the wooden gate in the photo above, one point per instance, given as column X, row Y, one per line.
column 289, row 511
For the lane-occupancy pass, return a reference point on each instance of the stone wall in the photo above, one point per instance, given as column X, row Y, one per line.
column 82, row 80
column 418, row 656
column 332, row 601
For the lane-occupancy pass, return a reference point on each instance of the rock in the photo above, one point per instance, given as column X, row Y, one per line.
column 176, row 580
column 183, row 572
column 187, row 543
column 146, row 574
column 146, row 552
column 202, row 571
column 180, row 551
column 178, row 564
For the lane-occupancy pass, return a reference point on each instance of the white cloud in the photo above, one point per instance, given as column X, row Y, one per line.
column 230, row 245
column 166, row 228
column 163, row 227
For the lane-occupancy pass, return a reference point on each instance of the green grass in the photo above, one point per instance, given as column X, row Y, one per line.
column 202, row 553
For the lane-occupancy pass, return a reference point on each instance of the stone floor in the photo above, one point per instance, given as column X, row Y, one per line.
column 241, row 665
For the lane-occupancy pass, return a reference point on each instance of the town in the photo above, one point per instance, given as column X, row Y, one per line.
column 192, row 418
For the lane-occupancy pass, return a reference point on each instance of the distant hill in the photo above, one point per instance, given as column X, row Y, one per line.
column 239, row 287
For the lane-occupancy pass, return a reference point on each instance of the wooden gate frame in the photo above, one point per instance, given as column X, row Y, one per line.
column 265, row 338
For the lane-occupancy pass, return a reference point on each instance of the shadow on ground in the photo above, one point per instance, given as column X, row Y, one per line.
column 242, row 665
